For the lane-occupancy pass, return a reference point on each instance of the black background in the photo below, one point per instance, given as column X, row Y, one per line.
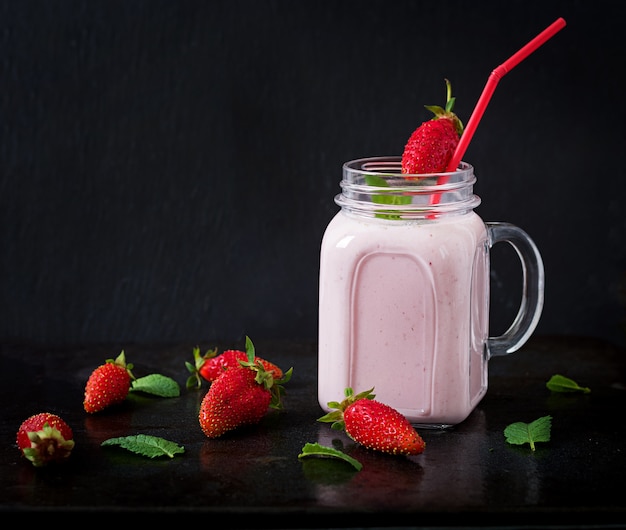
column 168, row 168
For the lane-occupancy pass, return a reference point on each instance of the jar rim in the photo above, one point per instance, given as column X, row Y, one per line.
column 376, row 184
column 392, row 166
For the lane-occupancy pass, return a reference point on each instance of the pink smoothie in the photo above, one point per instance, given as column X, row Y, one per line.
column 403, row 308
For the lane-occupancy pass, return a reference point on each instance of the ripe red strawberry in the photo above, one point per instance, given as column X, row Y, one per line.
column 374, row 425
column 211, row 365
column 431, row 146
column 44, row 438
column 241, row 395
column 108, row 384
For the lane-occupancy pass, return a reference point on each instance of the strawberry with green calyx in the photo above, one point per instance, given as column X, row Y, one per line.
column 241, row 395
column 108, row 384
column 199, row 361
column 373, row 424
column 45, row 438
column 211, row 365
column 431, row 146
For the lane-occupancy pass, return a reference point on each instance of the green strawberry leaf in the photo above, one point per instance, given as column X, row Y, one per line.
column 315, row 449
column 560, row 383
column 520, row 433
column 157, row 385
column 146, row 445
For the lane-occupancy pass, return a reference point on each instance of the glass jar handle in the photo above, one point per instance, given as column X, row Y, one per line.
column 533, row 280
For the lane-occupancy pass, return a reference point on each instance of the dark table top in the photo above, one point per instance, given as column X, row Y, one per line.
column 467, row 475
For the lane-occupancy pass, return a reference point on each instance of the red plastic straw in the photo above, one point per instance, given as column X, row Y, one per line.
column 493, row 80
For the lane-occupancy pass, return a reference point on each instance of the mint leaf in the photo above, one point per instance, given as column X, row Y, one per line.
column 379, row 182
column 560, row 383
column 156, row 384
column 146, row 445
column 520, row 433
column 315, row 449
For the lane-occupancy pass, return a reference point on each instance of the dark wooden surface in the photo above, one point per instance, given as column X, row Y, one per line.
column 254, row 475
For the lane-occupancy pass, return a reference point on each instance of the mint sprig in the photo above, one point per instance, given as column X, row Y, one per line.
column 560, row 383
column 316, row 449
column 375, row 180
column 146, row 445
column 520, row 433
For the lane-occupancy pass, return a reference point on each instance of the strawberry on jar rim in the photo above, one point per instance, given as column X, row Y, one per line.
column 430, row 147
